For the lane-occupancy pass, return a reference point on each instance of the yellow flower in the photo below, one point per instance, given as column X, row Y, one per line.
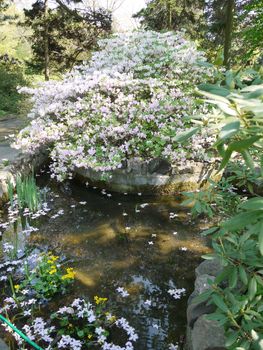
column 90, row 336
column 70, row 274
column 52, row 259
column 17, row 286
column 99, row 300
column 53, row 271
column 110, row 317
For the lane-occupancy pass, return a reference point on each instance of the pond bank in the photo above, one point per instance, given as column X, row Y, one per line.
column 13, row 162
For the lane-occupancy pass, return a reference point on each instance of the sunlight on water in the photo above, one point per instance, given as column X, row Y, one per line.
column 147, row 246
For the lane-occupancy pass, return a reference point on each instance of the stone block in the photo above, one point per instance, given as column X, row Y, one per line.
column 209, row 267
column 195, row 310
column 207, row 335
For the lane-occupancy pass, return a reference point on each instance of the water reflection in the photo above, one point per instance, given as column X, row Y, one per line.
column 124, row 241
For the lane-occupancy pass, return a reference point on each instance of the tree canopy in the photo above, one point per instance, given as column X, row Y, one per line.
column 70, row 33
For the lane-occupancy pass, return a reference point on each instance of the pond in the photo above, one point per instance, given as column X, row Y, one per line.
column 147, row 245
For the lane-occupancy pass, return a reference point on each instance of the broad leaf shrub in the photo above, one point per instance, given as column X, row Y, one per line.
column 238, row 241
column 133, row 99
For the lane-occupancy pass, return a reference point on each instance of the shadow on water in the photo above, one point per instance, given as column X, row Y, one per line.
column 128, row 241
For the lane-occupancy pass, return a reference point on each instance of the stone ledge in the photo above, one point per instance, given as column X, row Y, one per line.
column 153, row 176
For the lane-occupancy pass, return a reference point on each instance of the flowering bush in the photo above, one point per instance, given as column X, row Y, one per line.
column 133, row 99
column 48, row 277
column 37, row 277
column 91, row 325
column 81, row 325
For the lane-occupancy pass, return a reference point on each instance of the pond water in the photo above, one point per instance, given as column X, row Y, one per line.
column 147, row 245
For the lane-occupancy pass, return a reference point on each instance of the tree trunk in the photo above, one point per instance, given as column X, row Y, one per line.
column 230, row 7
column 168, row 14
column 46, row 45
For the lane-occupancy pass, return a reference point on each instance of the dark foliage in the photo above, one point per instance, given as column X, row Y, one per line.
column 69, row 35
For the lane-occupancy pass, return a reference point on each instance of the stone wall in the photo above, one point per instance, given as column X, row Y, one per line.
column 203, row 334
column 155, row 176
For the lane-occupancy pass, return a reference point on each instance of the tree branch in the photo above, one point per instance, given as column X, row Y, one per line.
column 69, row 10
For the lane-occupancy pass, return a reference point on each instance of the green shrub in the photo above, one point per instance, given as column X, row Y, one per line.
column 238, row 242
column 11, row 76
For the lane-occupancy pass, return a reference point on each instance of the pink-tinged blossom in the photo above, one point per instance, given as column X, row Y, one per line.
column 130, row 100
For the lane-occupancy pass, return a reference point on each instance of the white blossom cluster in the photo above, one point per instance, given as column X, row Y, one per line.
column 130, row 100
column 177, row 293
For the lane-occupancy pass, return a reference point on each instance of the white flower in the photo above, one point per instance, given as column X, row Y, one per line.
column 27, row 313
column 124, row 293
column 67, row 342
column 177, row 293
column 148, row 302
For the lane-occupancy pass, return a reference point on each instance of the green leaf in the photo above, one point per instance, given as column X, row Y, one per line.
column 221, row 149
column 225, row 160
column 251, row 88
column 219, row 317
column 223, row 275
column 243, row 275
column 214, row 89
column 241, row 145
column 209, row 256
column 259, row 280
column 242, row 219
column 248, row 159
column 224, row 107
column 252, row 204
column 80, row 333
column 255, row 94
column 231, row 339
column 210, row 231
column 228, row 131
column 230, row 83
column 260, row 239
column 219, row 302
column 233, row 278
column 252, row 288
column 184, row 136
column 202, row 297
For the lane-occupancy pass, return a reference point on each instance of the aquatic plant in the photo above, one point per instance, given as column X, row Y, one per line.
column 27, row 193
column 48, row 277
column 135, row 98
